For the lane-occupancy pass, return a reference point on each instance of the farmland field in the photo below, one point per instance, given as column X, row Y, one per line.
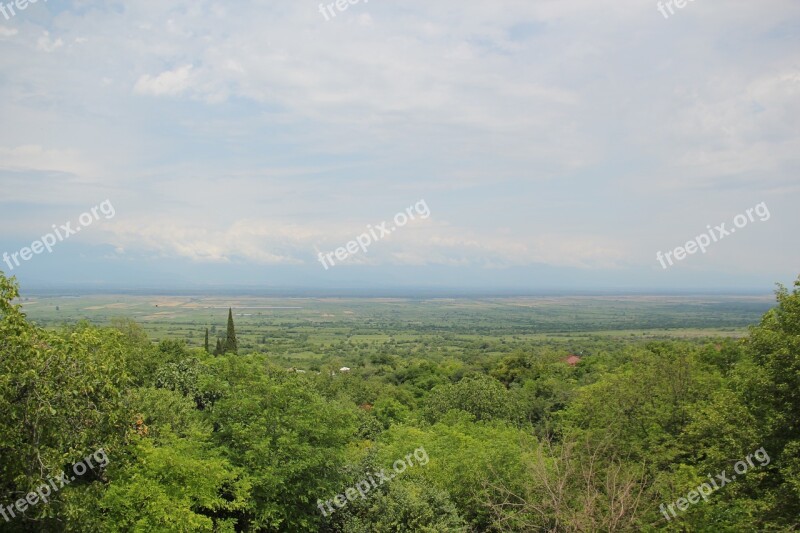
column 307, row 331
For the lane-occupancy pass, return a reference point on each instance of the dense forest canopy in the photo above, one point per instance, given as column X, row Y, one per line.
column 641, row 436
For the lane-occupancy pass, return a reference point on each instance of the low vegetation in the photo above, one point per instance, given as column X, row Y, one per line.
column 519, row 439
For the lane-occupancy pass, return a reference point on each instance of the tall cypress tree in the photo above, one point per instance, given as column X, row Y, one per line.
column 206, row 342
column 218, row 349
column 231, row 345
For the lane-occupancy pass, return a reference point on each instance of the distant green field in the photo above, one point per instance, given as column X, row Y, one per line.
column 305, row 331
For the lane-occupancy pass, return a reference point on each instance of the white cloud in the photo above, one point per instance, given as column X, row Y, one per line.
column 37, row 158
column 497, row 109
column 169, row 83
column 421, row 242
column 46, row 44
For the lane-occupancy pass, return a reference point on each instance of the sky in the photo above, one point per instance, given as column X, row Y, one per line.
column 556, row 145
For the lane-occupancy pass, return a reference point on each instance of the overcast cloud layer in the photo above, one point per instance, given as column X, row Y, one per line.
column 558, row 144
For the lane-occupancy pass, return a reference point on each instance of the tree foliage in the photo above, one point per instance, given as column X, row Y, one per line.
column 517, row 439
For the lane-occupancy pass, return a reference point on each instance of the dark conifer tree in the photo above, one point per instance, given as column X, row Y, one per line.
column 205, row 344
column 231, row 345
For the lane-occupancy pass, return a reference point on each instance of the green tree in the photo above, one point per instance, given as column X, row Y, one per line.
column 61, row 398
column 468, row 462
column 231, row 344
column 775, row 399
column 482, row 396
column 191, row 378
column 407, row 506
column 289, row 440
column 644, row 405
column 205, row 343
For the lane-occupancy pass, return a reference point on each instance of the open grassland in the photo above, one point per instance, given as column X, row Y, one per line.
column 307, row 331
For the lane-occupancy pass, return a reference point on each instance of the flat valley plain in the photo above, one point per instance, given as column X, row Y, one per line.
column 306, row 332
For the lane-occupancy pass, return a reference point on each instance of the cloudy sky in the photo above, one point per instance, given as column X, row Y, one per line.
column 558, row 144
